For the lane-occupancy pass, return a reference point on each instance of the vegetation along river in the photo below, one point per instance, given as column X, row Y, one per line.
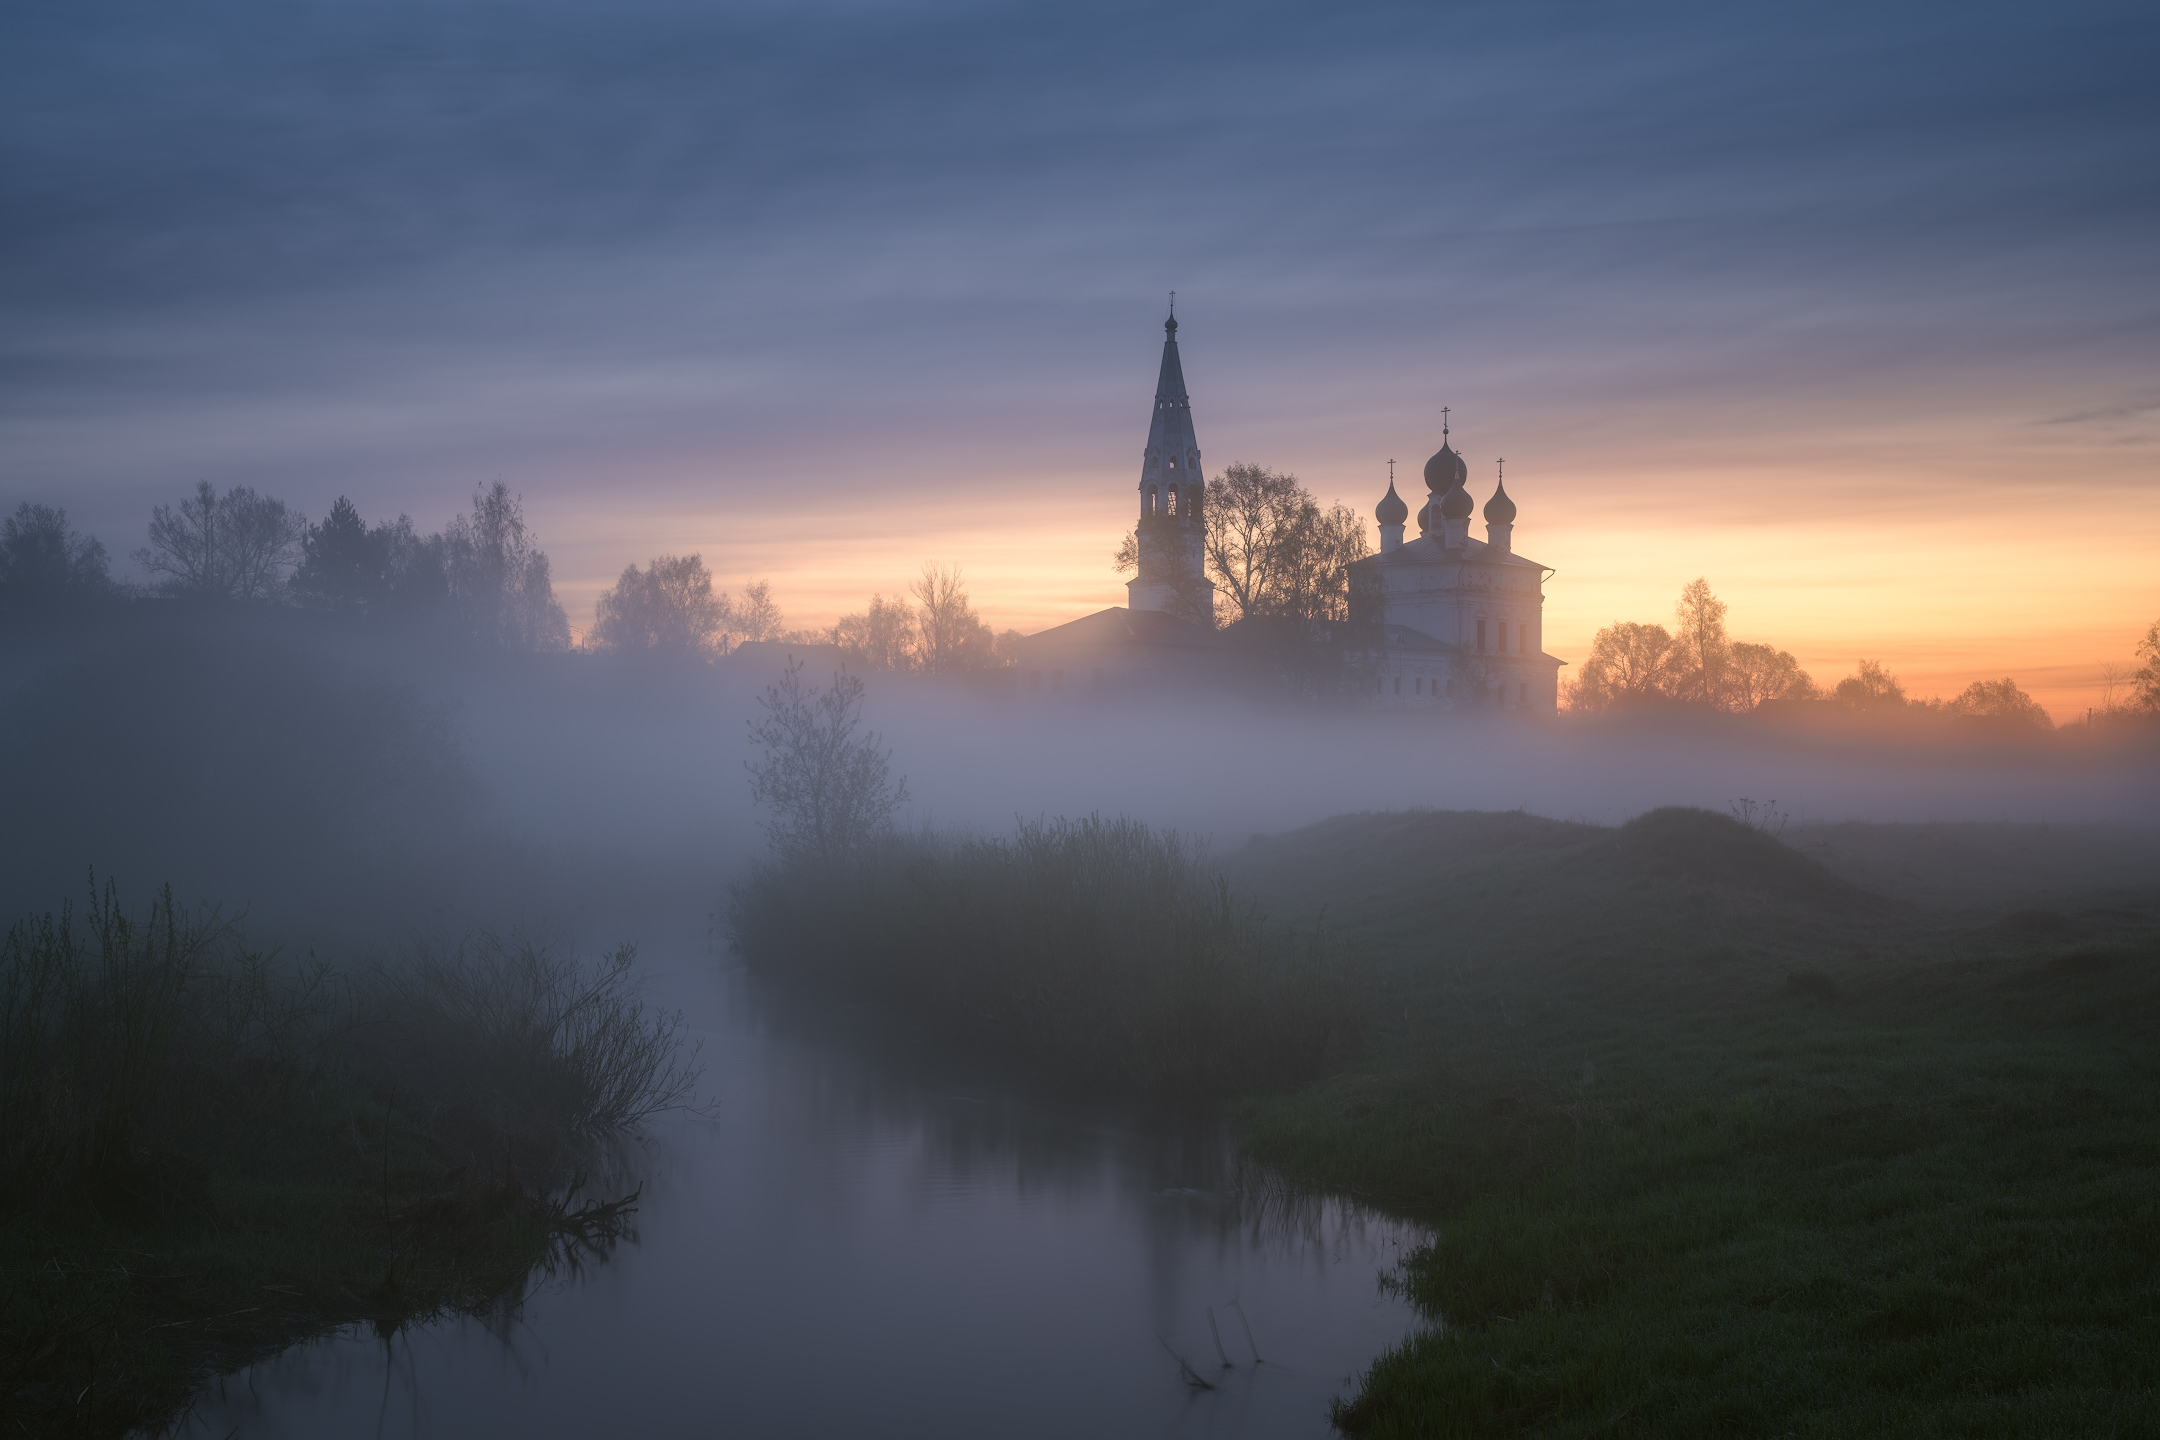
column 861, row 1239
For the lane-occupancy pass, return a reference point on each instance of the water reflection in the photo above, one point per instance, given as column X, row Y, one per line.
column 865, row 1239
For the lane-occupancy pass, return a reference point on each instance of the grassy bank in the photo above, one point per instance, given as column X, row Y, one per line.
column 208, row 1153
column 1099, row 952
column 1715, row 1141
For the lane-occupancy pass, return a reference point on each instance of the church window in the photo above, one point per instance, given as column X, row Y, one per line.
column 1398, row 684
column 1173, row 496
column 1522, row 692
column 1503, row 637
column 1481, row 637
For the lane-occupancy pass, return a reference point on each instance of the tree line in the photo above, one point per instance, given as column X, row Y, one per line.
column 483, row 572
column 1697, row 663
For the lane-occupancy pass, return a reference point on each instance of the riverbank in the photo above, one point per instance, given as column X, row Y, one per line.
column 210, row 1154
column 1715, row 1140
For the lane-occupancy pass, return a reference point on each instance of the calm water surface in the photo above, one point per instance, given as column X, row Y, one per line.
column 864, row 1241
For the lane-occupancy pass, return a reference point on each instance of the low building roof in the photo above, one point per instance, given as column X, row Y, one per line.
column 1120, row 626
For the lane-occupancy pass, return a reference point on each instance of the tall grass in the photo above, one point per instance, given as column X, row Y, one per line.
column 1096, row 950
column 296, row 1146
column 111, row 1027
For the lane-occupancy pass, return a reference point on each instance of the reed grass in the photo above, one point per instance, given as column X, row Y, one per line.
column 1099, row 951
column 208, row 1151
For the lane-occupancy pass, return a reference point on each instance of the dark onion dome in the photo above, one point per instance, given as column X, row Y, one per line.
column 1424, row 516
column 1391, row 510
column 1445, row 470
column 1457, row 504
column 1500, row 510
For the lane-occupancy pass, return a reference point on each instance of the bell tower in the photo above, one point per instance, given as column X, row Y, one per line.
column 1171, row 575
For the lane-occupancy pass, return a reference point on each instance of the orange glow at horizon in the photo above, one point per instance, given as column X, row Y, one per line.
column 1943, row 571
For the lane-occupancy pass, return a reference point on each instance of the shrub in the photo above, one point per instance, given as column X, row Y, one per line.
column 1098, row 950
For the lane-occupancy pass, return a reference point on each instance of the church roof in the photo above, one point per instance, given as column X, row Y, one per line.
column 1120, row 626
column 1427, row 550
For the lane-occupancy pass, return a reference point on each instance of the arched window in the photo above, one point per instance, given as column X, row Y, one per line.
column 1173, row 499
column 1149, row 507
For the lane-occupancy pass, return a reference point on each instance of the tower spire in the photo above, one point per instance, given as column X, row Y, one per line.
column 1171, row 574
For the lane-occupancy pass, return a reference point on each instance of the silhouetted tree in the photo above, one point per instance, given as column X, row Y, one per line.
column 827, row 791
column 499, row 578
column 754, row 616
column 2001, row 703
column 343, row 565
column 46, row 567
column 2145, row 680
column 1870, row 688
column 1758, row 674
column 234, row 546
column 951, row 637
column 669, row 608
column 1700, row 650
column 882, row 636
column 1630, row 663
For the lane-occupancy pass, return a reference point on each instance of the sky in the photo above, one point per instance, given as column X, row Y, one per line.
column 1852, row 309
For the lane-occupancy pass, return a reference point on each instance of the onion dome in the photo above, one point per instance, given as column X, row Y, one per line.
column 1391, row 510
column 1500, row 510
column 1457, row 504
column 1424, row 517
column 1445, row 470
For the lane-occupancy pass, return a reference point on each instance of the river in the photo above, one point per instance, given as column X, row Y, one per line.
column 864, row 1239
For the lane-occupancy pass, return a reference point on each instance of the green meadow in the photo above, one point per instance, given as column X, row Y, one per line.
column 1849, row 1131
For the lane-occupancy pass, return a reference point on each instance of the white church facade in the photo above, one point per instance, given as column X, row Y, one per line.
column 1443, row 621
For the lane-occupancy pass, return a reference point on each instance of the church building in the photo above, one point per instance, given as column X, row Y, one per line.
column 1443, row 621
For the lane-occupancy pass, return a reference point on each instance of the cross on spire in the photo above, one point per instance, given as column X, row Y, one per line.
column 1391, row 474
column 1443, row 424
column 1503, row 470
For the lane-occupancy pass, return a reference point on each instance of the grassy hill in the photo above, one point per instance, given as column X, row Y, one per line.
column 1716, row 1137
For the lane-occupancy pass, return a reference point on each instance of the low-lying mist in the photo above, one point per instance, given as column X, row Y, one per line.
column 335, row 775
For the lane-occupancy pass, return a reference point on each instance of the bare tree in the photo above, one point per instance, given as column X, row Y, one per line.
column 669, row 607
column 234, row 546
column 500, row 578
column 2114, row 676
column 882, row 636
column 1630, row 663
column 1757, row 674
column 753, row 617
column 1269, row 547
column 1870, row 688
column 827, row 790
column 1700, row 650
column 951, row 637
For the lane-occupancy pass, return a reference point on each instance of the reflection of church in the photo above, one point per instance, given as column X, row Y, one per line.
column 1439, row 621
